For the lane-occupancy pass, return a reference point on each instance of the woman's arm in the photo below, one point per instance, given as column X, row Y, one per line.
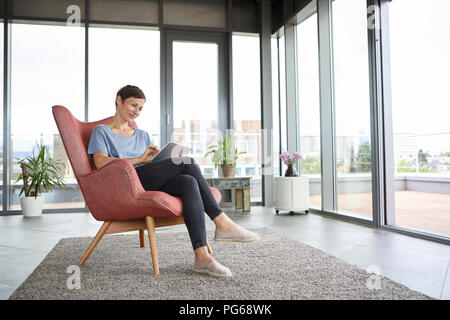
column 101, row 158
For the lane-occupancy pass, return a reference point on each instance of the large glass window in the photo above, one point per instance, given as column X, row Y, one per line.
column 1, row 116
column 352, row 105
column 275, row 107
column 420, row 67
column 196, row 98
column 118, row 57
column 309, row 105
column 283, row 119
column 247, row 110
column 47, row 68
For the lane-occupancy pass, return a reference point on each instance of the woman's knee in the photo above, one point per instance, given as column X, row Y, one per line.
column 189, row 182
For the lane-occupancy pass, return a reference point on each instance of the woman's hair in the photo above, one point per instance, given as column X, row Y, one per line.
column 130, row 91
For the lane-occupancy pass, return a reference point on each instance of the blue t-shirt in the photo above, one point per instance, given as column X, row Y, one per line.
column 117, row 146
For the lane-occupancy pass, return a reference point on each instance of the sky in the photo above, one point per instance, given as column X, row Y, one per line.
column 420, row 60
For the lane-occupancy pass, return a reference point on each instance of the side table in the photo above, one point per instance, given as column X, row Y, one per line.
column 291, row 194
column 241, row 185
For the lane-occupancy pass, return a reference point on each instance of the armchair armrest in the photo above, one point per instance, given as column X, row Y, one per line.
column 116, row 174
column 109, row 191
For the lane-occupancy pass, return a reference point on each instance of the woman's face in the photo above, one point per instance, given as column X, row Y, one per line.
column 130, row 108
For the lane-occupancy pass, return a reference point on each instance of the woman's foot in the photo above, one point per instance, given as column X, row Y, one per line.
column 205, row 263
column 228, row 230
column 212, row 268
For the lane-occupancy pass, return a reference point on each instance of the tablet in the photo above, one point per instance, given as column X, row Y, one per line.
column 171, row 150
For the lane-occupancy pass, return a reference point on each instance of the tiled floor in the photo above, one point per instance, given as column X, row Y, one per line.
column 420, row 265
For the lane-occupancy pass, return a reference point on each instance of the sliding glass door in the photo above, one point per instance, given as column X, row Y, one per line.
column 420, row 65
column 196, row 92
column 352, row 108
column 309, row 103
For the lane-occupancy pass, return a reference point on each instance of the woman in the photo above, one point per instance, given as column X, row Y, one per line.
column 178, row 178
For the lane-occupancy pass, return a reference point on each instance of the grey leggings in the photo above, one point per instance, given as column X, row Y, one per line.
column 182, row 177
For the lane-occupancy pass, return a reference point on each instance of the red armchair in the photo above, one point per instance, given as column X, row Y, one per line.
column 114, row 193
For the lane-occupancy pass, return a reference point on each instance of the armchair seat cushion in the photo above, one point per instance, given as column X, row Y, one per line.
column 157, row 204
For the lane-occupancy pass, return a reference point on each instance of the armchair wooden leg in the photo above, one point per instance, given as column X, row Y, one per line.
column 141, row 238
column 152, row 240
column 94, row 242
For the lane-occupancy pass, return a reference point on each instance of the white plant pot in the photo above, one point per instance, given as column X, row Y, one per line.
column 32, row 207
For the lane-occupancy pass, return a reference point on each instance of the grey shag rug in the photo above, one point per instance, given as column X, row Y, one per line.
column 275, row 267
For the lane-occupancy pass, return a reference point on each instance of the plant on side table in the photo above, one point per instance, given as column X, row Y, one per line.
column 225, row 154
column 39, row 174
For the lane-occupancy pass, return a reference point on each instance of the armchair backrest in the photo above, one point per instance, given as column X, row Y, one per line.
column 75, row 136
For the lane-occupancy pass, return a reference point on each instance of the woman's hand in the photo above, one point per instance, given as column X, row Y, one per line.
column 148, row 154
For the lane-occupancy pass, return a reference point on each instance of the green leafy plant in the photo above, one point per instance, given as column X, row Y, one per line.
column 223, row 152
column 39, row 173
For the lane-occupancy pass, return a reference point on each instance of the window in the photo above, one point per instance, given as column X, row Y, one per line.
column 420, row 65
column 309, row 105
column 1, row 117
column 275, row 108
column 47, row 68
column 352, row 108
column 282, row 83
column 247, row 106
column 250, row 171
column 208, row 171
column 195, row 96
column 134, row 61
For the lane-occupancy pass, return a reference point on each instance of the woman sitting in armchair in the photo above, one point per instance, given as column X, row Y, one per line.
column 178, row 178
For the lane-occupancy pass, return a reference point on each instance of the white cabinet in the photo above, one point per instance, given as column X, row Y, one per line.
column 291, row 194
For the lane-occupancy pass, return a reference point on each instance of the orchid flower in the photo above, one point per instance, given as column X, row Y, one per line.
column 289, row 159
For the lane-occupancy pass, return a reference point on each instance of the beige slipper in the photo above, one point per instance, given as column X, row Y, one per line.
column 212, row 268
column 243, row 235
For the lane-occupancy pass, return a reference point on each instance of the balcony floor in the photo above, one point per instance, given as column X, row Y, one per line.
column 424, row 211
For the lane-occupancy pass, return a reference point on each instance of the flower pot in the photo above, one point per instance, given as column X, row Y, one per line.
column 227, row 170
column 32, row 207
column 291, row 172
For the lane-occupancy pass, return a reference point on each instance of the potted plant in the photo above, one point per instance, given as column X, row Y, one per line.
column 39, row 174
column 290, row 160
column 224, row 154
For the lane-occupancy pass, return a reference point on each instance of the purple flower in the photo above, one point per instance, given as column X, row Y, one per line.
column 297, row 155
column 285, row 157
column 289, row 159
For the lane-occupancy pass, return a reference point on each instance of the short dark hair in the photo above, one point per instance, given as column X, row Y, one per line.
column 129, row 91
